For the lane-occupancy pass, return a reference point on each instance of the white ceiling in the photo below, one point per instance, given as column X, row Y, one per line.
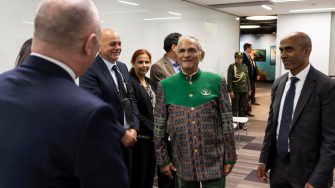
column 243, row 8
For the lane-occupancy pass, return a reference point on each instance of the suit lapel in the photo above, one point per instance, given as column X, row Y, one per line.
column 106, row 73
column 168, row 66
column 306, row 93
column 277, row 100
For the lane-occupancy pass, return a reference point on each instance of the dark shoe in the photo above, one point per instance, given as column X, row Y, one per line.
column 255, row 103
column 251, row 115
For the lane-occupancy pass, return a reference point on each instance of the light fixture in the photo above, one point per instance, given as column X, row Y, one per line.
column 162, row 18
column 312, row 10
column 237, row 18
column 128, row 3
column 261, row 17
column 249, row 26
column 282, row 1
column 175, row 13
column 266, row 7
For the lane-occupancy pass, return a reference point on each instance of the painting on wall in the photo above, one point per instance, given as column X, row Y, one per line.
column 260, row 54
column 272, row 55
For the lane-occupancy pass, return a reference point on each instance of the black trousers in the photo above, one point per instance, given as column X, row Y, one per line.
column 127, row 158
column 253, row 91
column 144, row 164
column 279, row 174
column 163, row 180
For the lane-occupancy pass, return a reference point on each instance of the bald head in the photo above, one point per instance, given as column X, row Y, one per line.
column 64, row 22
column 110, row 46
column 304, row 40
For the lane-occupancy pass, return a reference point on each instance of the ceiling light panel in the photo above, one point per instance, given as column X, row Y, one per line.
column 128, row 3
column 266, row 7
column 262, row 17
column 249, row 26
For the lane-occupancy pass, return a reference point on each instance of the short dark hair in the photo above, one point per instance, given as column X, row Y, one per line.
column 246, row 45
column 171, row 39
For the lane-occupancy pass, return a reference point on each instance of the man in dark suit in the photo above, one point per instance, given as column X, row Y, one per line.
column 106, row 82
column 252, row 71
column 299, row 146
column 53, row 133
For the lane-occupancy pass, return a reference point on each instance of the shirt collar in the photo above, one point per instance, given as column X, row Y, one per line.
column 171, row 61
column 192, row 76
column 59, row 63
column 302, row 74
column 109, row 64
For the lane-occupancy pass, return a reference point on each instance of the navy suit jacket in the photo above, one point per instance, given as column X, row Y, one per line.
column 312, row 132
column 99, row 81
column 252, row 70
column 55, row 134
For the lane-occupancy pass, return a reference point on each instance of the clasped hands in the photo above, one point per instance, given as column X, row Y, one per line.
column 129, row 138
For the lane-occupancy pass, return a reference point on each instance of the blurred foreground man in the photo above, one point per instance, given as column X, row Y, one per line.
column 197, row 115
column 299, row 142
column 53, row 133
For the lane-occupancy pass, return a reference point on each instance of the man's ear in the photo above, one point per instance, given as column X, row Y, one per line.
column 91, row 44
column 174, row 47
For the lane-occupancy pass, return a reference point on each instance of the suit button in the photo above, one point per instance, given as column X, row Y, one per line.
column 190, row 82
column 292, row 137
column 190, row 95
column 195, row 150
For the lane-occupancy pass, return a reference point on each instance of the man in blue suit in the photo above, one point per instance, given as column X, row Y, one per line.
column 53, row 133
column 109, row 80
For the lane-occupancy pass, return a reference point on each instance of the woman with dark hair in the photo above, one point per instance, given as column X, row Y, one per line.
column 24, row 52
column 143, row 170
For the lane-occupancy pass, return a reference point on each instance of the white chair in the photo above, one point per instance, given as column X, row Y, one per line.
column 236, row 122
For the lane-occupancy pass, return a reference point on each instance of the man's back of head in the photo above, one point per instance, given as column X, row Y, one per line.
column 63, row 28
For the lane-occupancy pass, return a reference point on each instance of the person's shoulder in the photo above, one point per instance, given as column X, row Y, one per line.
column 159, row 62
column 211, row 75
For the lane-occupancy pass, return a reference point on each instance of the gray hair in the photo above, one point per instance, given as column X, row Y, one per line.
column 65, row 23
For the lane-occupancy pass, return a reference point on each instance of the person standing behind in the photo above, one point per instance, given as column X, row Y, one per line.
column 109, row 80
column 53, row 133
column 252, row 70
column 144, row 162
column 167, row 65
column 238, row 86
column 24, row 52
column 299, row 142
column 163, row 68
column 196, row 113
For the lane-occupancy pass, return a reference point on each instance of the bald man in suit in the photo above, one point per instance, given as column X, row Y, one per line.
column 299, row 147
column 53, row 133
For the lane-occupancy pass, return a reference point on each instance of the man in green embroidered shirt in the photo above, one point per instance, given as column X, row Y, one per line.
column 193, row 107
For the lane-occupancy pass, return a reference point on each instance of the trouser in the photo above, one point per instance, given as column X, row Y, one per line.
column 239, row 103
column 163, row 180
column 127, row 158
column 217, row 183
column 144, row 163
column 253, row 92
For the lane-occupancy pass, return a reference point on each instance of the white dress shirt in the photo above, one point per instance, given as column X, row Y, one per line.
column 298, row 87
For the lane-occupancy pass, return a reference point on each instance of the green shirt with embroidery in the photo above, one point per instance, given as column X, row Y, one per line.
column 196, row 90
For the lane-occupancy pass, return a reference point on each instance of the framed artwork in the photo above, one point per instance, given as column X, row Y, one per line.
column 272, row 55
column 260, row 54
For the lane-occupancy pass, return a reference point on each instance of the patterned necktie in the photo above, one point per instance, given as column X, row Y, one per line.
column 176, row 66
column 285, row 123
column 120, row 85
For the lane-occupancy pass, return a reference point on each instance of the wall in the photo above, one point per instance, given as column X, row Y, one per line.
column 262, row 41
column 317, row 26
column 218, row 32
